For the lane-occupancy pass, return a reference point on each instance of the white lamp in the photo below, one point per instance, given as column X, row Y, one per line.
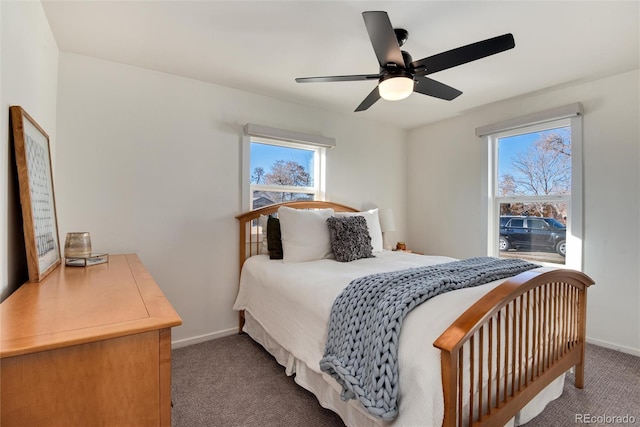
column 387, row 224
column 395, row 88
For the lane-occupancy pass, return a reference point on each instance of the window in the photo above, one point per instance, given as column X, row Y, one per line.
column 282, row 166
column 514, row 223
column 534, row 182
column 284, row 172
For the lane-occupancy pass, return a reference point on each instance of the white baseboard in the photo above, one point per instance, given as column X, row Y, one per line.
column 202, row 338
column 612, row 346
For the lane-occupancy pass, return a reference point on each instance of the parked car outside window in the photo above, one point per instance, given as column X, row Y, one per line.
column 533, row 233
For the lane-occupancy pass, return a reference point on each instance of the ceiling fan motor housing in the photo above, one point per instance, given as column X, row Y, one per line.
column 397, row 70
column 402, row 35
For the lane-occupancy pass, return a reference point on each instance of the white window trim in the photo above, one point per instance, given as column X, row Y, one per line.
column 280, row 137
column 571, row 115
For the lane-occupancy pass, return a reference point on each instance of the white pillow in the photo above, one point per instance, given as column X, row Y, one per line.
column 305, row 234
column 373, row 224
column 262, row 221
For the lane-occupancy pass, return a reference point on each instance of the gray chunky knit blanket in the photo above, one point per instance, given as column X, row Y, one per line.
column 364, row 327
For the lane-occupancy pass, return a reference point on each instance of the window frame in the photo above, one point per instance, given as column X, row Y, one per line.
column 564, row 116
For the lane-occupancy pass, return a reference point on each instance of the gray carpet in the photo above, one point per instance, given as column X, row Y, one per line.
column 232, row 381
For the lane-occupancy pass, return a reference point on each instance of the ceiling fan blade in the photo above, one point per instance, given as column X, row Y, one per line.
column 464, row 54
column 350, row 78
column 369, row 100
column 383, row 38
column 427, row 86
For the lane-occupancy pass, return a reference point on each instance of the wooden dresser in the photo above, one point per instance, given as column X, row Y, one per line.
column 87, row 347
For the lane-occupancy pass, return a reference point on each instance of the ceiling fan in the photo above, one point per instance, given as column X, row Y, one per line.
column 399, row 75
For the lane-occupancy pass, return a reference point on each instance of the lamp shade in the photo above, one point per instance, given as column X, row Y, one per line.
column 387, row 221
column 395, row 88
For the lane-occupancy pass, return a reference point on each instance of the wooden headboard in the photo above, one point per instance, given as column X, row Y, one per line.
column 250, row 242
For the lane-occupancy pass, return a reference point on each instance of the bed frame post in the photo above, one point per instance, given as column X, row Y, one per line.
column 241, row 258
column 579, row 378
column 449, row 387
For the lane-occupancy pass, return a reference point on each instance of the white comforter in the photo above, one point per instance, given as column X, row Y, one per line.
column 292, row 303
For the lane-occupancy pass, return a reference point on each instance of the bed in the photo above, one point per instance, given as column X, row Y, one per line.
column 514, row 337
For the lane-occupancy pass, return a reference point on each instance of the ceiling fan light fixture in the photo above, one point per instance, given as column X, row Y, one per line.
column 395, row 88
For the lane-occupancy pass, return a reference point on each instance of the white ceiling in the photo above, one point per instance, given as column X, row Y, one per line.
column 261, row 46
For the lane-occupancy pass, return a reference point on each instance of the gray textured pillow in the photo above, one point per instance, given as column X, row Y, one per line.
column 350, row 239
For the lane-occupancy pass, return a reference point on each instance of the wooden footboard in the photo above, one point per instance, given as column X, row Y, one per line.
column 511, row 344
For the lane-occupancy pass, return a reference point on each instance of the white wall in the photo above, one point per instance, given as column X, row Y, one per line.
column 150, row 163
column 445, row 194
column 28, row 77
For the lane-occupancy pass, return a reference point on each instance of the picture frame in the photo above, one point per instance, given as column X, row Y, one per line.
column 37, row 197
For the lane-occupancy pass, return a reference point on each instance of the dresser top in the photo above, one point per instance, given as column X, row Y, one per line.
column 76, row 305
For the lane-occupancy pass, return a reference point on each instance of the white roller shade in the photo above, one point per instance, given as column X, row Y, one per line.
column 287, row 135
column 557, row 113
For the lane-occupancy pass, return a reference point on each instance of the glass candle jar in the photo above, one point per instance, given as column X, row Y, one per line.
column 77, row 244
